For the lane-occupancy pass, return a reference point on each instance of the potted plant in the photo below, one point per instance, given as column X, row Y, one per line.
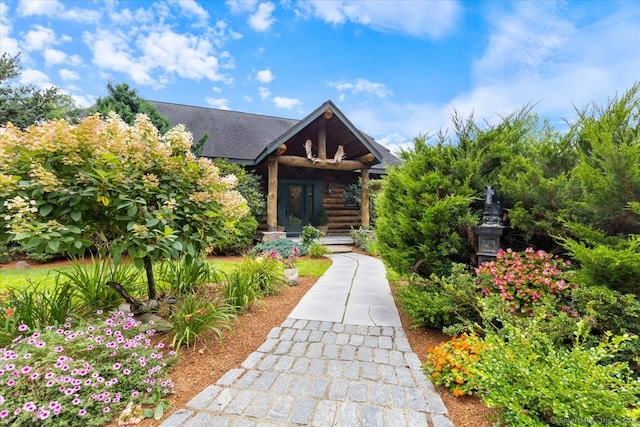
column 323, row 222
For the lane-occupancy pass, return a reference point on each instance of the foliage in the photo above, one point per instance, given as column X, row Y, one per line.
column 606, row 310
column 87, row 280
column 361, row 236
column 238, row 239
column 126, row 103
column 248, row 184
column 317, row 250
column 36, row 307
column 283, row 246
column 124, row 188
column 238, row 289
column 25, row 105
column 522, row 279
column 89, row 372
column 606, row 260
column 309, row 235
column 451, row 363
column 195, row 315
column 323, row 218
column 536, row 383
column 424, row 211
column 440, row 301
column 265, row 273
column 186, row 275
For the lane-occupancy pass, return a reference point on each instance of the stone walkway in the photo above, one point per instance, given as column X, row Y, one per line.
column 341, row 358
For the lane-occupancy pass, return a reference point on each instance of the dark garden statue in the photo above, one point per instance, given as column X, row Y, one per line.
column 492, row 213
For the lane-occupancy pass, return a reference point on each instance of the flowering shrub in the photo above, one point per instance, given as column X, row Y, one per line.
column 60, row 376
column 523, row 278
column 450, row 363
column 289, row 260
column 145, row 195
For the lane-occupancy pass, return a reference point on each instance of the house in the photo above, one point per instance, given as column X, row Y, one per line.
column 306, row 165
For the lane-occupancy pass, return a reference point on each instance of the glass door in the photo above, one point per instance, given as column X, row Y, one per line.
column 296, row 207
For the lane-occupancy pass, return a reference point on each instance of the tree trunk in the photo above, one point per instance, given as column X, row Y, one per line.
column 151, row 281
column 136, row 307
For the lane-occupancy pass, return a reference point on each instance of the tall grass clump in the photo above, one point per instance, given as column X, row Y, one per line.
column 88, row 282
column 185, row 275
column 196, row 315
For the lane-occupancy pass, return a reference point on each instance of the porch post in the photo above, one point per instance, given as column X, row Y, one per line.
column 322, row 141
column 272, row 195
column 364, row 197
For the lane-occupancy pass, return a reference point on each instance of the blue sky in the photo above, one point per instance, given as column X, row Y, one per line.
column 397, row 69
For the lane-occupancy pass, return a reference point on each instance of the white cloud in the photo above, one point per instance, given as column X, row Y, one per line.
column 433, row 19
column 241, row 6
column 53, row 57
column 264, row 92
column 110, row 52
column 9, row 44
column 191, row 8
column 264, row 76
column 286, row 103
column 220, row 103
column 262, row 19
column 39, row 38
column 68, row 75
column 162, row 54
column 185, row 55
column 362, row 85
column 55, row 9
column 36, row 78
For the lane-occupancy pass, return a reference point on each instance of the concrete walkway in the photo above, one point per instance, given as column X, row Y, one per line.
column 341, row 358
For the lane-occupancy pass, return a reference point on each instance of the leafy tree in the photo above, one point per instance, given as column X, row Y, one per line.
column 25, row 105
column 124, row 189
column 424, row 211
column 127, row 104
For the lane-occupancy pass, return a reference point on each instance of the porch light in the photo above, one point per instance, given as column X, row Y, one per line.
column 329, row 188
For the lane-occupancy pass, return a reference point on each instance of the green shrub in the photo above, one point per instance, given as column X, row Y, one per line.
column 185, row 275
column 440, row 302
column 265, row 273
column 283, row 246
column 317, row 250
column 195, row 315
column 88, row 281
column 604, row 309
column 309, row 235
column 239, row 239
column 613, row 262
column 534, row 382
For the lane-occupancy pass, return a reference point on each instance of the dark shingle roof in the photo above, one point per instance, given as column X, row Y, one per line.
column 248, row 138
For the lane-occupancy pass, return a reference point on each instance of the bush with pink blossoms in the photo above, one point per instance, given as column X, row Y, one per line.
column 85, row 374
column 524, row 278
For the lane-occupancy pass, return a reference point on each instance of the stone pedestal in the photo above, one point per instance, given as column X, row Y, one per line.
column 488, row 241
column 273, row 235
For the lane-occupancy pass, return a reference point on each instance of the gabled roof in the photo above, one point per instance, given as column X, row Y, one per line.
column 249, row 138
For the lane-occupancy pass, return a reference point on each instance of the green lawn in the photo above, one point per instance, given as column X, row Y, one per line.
column 11, row 278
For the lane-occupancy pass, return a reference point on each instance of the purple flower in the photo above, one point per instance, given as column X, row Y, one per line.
column 29, row 407
column 82, row 412
column 4, row 413
column 23, row 327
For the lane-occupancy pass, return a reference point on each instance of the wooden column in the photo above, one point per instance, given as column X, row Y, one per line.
column 322, row 141
column 272, row 195
column 364, row 197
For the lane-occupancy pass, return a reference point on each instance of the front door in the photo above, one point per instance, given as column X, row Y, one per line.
column 296, row 202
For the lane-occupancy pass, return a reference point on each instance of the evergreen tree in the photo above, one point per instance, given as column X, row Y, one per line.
column 126, row 102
